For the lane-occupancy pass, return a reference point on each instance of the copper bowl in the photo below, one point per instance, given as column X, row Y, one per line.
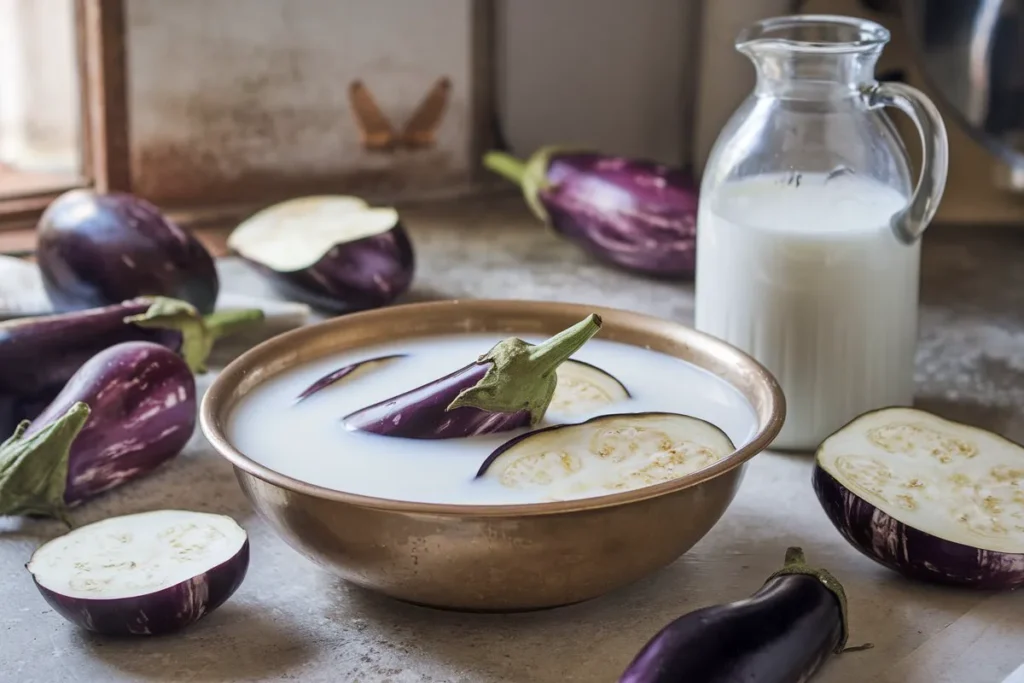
column 492, row 557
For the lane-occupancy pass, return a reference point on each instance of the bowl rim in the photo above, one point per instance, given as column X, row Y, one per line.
column 235, row 370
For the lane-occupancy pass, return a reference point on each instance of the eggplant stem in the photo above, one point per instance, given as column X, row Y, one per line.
column 552, row 352
column 34, row 469
column 795, row 563
column 506, row 165
column 225, row 323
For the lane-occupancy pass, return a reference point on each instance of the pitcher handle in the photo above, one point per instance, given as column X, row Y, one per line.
column 910, row 223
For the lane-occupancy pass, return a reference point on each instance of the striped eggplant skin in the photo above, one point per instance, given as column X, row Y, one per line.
column 356, row 276
column 784, row 633
column 38, row 356
column 96, row 249
column 635, row 214
column 632, row 213
column 913, row 553
column 142, row 400
column 423, row 412
column 160, row 613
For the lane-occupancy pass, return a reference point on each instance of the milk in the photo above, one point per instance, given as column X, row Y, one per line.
column 808, row 278
column 308, row 441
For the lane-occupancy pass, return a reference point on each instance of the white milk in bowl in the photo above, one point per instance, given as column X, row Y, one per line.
column 307, row 439
column 804, row 273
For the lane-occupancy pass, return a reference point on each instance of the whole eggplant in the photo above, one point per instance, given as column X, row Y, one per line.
column 126, row 411
column 39, row 355
column 99, row 249
column 781, row 634
column 508, row 387
column 635, row 214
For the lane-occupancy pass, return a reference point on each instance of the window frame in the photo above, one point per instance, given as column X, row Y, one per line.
column 103, row 89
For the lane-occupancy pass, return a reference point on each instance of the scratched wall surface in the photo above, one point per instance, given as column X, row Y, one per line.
column 240, row 100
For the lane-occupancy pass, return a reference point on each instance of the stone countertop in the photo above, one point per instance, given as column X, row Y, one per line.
column 291, row 621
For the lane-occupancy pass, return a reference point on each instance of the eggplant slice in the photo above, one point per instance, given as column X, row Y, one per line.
column 142, row 574
column 930, row 498
column 607, row 454
column 583, row 388
column 348, row 373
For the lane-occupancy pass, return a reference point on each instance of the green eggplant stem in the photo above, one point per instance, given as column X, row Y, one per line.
column 506, row 166
column 198, row 334
column 549, row 354
column 225, row 323
column 34, row 469
column 522, row 376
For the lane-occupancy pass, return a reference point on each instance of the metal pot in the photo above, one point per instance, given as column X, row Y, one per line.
column 971, row 52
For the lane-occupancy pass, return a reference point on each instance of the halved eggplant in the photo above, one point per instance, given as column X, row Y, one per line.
column 333, row 252
column 508, row 387
column 348, row 372
column 607, row 454
column 933, row 499
column 143, row 574
column 583, row 388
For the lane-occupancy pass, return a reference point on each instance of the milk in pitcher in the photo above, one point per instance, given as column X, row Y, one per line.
column 804, row 273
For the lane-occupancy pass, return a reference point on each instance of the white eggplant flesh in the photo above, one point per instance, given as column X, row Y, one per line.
column 584, row 388
column 142, row 574
column 333, row 252
column 607, row 454
column 295, row 234
column 931, row 498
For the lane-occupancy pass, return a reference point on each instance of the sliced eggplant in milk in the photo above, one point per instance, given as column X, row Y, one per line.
column 149, row 573
column 583, row 388
column 606, row 454
column 508, row 387
column 332, row 252
column 933, row 499
column 348, row 373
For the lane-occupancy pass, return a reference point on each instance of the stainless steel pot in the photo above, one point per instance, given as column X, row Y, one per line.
column 971, row 52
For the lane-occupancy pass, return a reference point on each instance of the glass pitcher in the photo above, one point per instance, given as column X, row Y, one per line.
column 809, row 225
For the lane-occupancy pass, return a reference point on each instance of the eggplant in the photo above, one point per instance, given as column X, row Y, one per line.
column 149, row 573
column 348, row 373
column 39, row 355
column 935, row 500
column 507, row 388
column 635, row 214
column 98, row 249
column 583, row 388
column 125, row 412
column 781, row 634
column 333, row 252
column 606, row 454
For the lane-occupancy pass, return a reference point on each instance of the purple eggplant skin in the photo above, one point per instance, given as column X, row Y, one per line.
column 341, row 373
column 507, row 388
column 100, row 249
column 784, row 633
column 39, row 355
column 154, row 614
column 125, row 412
column 357, row 276
column 913, row 553
column 635, row 214
column 423, row 412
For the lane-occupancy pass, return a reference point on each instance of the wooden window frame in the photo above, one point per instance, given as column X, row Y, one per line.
column 103, row 86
